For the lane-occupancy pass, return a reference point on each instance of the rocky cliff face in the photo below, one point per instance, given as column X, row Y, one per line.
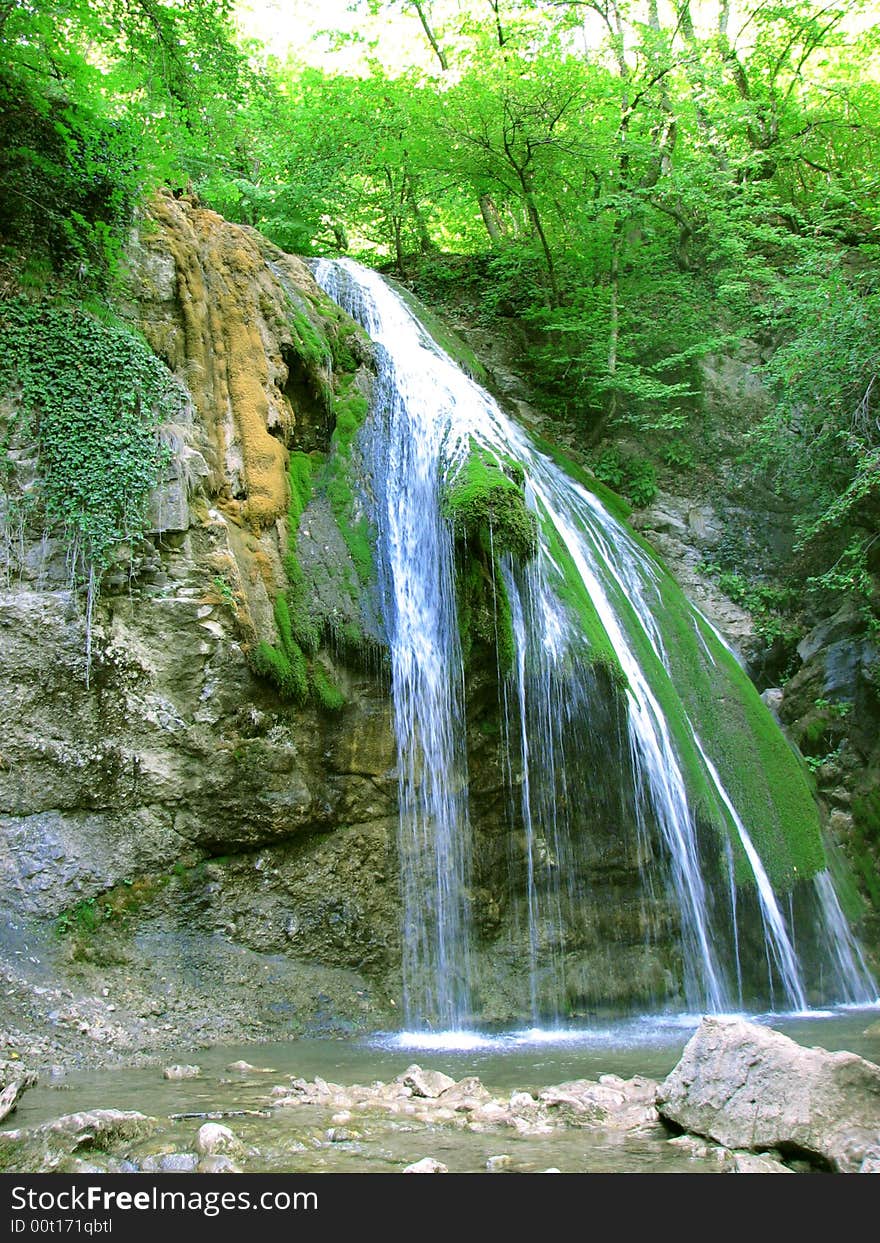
column 186, row 856
column 189, row 833
column 183, row 854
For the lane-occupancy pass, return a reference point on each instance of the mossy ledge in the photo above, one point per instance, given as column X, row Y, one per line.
column 483, row 497
column 701, row 684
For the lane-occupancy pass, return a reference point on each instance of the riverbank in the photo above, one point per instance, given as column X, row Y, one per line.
column 576, row 1101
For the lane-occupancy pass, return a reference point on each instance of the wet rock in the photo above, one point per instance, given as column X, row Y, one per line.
column 624, row 1104
column 214, row 1138
column 757, row 1163
column 491, row 1114
column 773, row 698
column 496, row 1165
column 13, row 1092
column 218, row 1165
column 427, row 1165
column 170, row 1163
column 871, row 1162
column 48, row 1147
column 427, row 1083
column 699, row 1150
column 99, row 1127
column 748, row 1087
column 181, row 1072
column 845, row 623
column 466, row 1094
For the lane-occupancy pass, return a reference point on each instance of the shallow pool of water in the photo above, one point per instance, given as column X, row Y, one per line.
column 297, row 1139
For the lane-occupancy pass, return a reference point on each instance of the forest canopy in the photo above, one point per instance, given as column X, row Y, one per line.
column 639, row 185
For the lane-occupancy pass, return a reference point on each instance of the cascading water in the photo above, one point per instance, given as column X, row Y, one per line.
column 597, row 633
column 852, row 981
column 415, row 559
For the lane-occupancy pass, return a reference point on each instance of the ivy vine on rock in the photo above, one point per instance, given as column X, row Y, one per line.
column 90, row 396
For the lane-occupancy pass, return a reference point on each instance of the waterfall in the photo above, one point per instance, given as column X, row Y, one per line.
column 852, row 980
column 599, row 633
column 415, row 559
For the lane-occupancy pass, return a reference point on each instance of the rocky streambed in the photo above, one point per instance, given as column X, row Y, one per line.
column 742, row 1099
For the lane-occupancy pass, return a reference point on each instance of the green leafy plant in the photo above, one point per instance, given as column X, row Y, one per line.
column 634, row 477
column 90, row 395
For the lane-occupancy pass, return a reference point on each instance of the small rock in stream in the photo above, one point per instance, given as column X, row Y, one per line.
column 214, row 1138
column 427, row 1165
column 217, row 1165
column 427, row 1083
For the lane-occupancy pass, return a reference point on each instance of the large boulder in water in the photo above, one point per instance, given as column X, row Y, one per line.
column 746, row 1086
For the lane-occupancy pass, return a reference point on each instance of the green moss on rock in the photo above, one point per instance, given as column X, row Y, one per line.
column 325, row 691
column 299, row 474
column 485, row 495
column 350, row 409
column 705, row 688
column 700, row 686
column 572, row 593
column 484, row 616
column 290, row 662
column 484, row 500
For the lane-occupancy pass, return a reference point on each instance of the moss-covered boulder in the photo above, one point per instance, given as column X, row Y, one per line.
column 485, row 495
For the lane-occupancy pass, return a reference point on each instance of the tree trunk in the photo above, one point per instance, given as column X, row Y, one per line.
column 491, row 218
column 431, row 37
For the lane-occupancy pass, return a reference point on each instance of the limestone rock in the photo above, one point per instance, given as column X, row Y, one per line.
column 503, row 1161
column 773, row 697
column 427, row 1083
column 181, row 1071
column 748, row 1087
column 466, row 1094
column 52, row 1145
column 427, row 1165
column 871, row 1162
column 757, row 1163
column 98, row 1127
column 213, row 1139
column 217, row 1165
column 623, row 1104
column 170, row 1163
column 699, row 1150
column 12, row 1093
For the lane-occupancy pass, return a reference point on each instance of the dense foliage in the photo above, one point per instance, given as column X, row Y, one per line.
column 100, row 101
column 637, row 184
column 640, row 186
